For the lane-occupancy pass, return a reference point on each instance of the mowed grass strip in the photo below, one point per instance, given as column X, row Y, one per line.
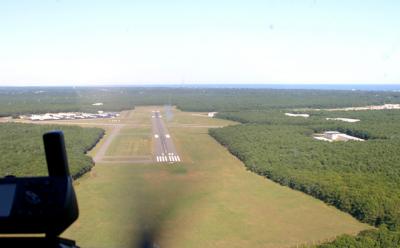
column 131, row 143
column 142, row 116
column 140, row 131
column 209, row 200
column 240, row 209
column 194, row 118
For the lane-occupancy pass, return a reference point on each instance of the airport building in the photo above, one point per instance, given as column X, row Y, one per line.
column 335, row 136
column 69, row 116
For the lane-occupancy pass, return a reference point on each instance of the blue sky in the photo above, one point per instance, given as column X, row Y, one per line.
column 102, row 42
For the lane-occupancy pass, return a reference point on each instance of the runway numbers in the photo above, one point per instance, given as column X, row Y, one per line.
column 169, row 158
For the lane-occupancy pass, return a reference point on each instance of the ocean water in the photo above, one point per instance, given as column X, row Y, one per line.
column 342, row 86
column 364, row 87
column 353, row 87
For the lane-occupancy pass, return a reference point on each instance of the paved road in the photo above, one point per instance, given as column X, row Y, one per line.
column 165, row 150
column 102, row 150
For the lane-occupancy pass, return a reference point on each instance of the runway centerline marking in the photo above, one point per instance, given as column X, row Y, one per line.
column 164, row 148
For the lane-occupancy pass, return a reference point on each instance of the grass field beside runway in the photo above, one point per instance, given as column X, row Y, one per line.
column 140, row 117
column 130, row 145
column 131, row 142
column 180, row 117
column 138, row 131
column 209, row 200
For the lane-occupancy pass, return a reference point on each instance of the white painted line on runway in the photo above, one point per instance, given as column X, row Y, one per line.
column 169, row 158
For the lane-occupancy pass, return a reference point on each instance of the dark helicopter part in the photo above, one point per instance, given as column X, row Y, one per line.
column 40, row 205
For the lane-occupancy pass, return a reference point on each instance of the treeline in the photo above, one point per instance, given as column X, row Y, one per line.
column 22, row 152
column 382, row 238
column 16, row 100
column 361, row 178
column 271, row 117
column 21, row 100
column 373, row 123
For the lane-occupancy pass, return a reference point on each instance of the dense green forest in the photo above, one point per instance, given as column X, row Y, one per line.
column 22, row 152
column 374, row 123
column 26, row 100
column 361, row 178
column 382, row 238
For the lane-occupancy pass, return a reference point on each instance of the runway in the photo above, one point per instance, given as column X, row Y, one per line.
column 165, row 151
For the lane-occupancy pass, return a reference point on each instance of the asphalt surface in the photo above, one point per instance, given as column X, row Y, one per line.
column 165, row 151
column 102, row 150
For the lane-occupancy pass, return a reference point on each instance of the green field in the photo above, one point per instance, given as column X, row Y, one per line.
column 209, row 200
column 130, row 144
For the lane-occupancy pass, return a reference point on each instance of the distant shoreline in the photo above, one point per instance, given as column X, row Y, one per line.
column 344, row 87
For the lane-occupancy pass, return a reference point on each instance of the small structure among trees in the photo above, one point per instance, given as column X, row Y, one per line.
column 335, row 136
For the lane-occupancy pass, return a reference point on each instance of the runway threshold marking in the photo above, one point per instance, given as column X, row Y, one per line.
column 169, row 158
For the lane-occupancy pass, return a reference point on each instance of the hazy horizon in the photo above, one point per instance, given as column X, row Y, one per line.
column 284, row 86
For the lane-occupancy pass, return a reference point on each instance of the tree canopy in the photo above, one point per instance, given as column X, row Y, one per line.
column 22, row 151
